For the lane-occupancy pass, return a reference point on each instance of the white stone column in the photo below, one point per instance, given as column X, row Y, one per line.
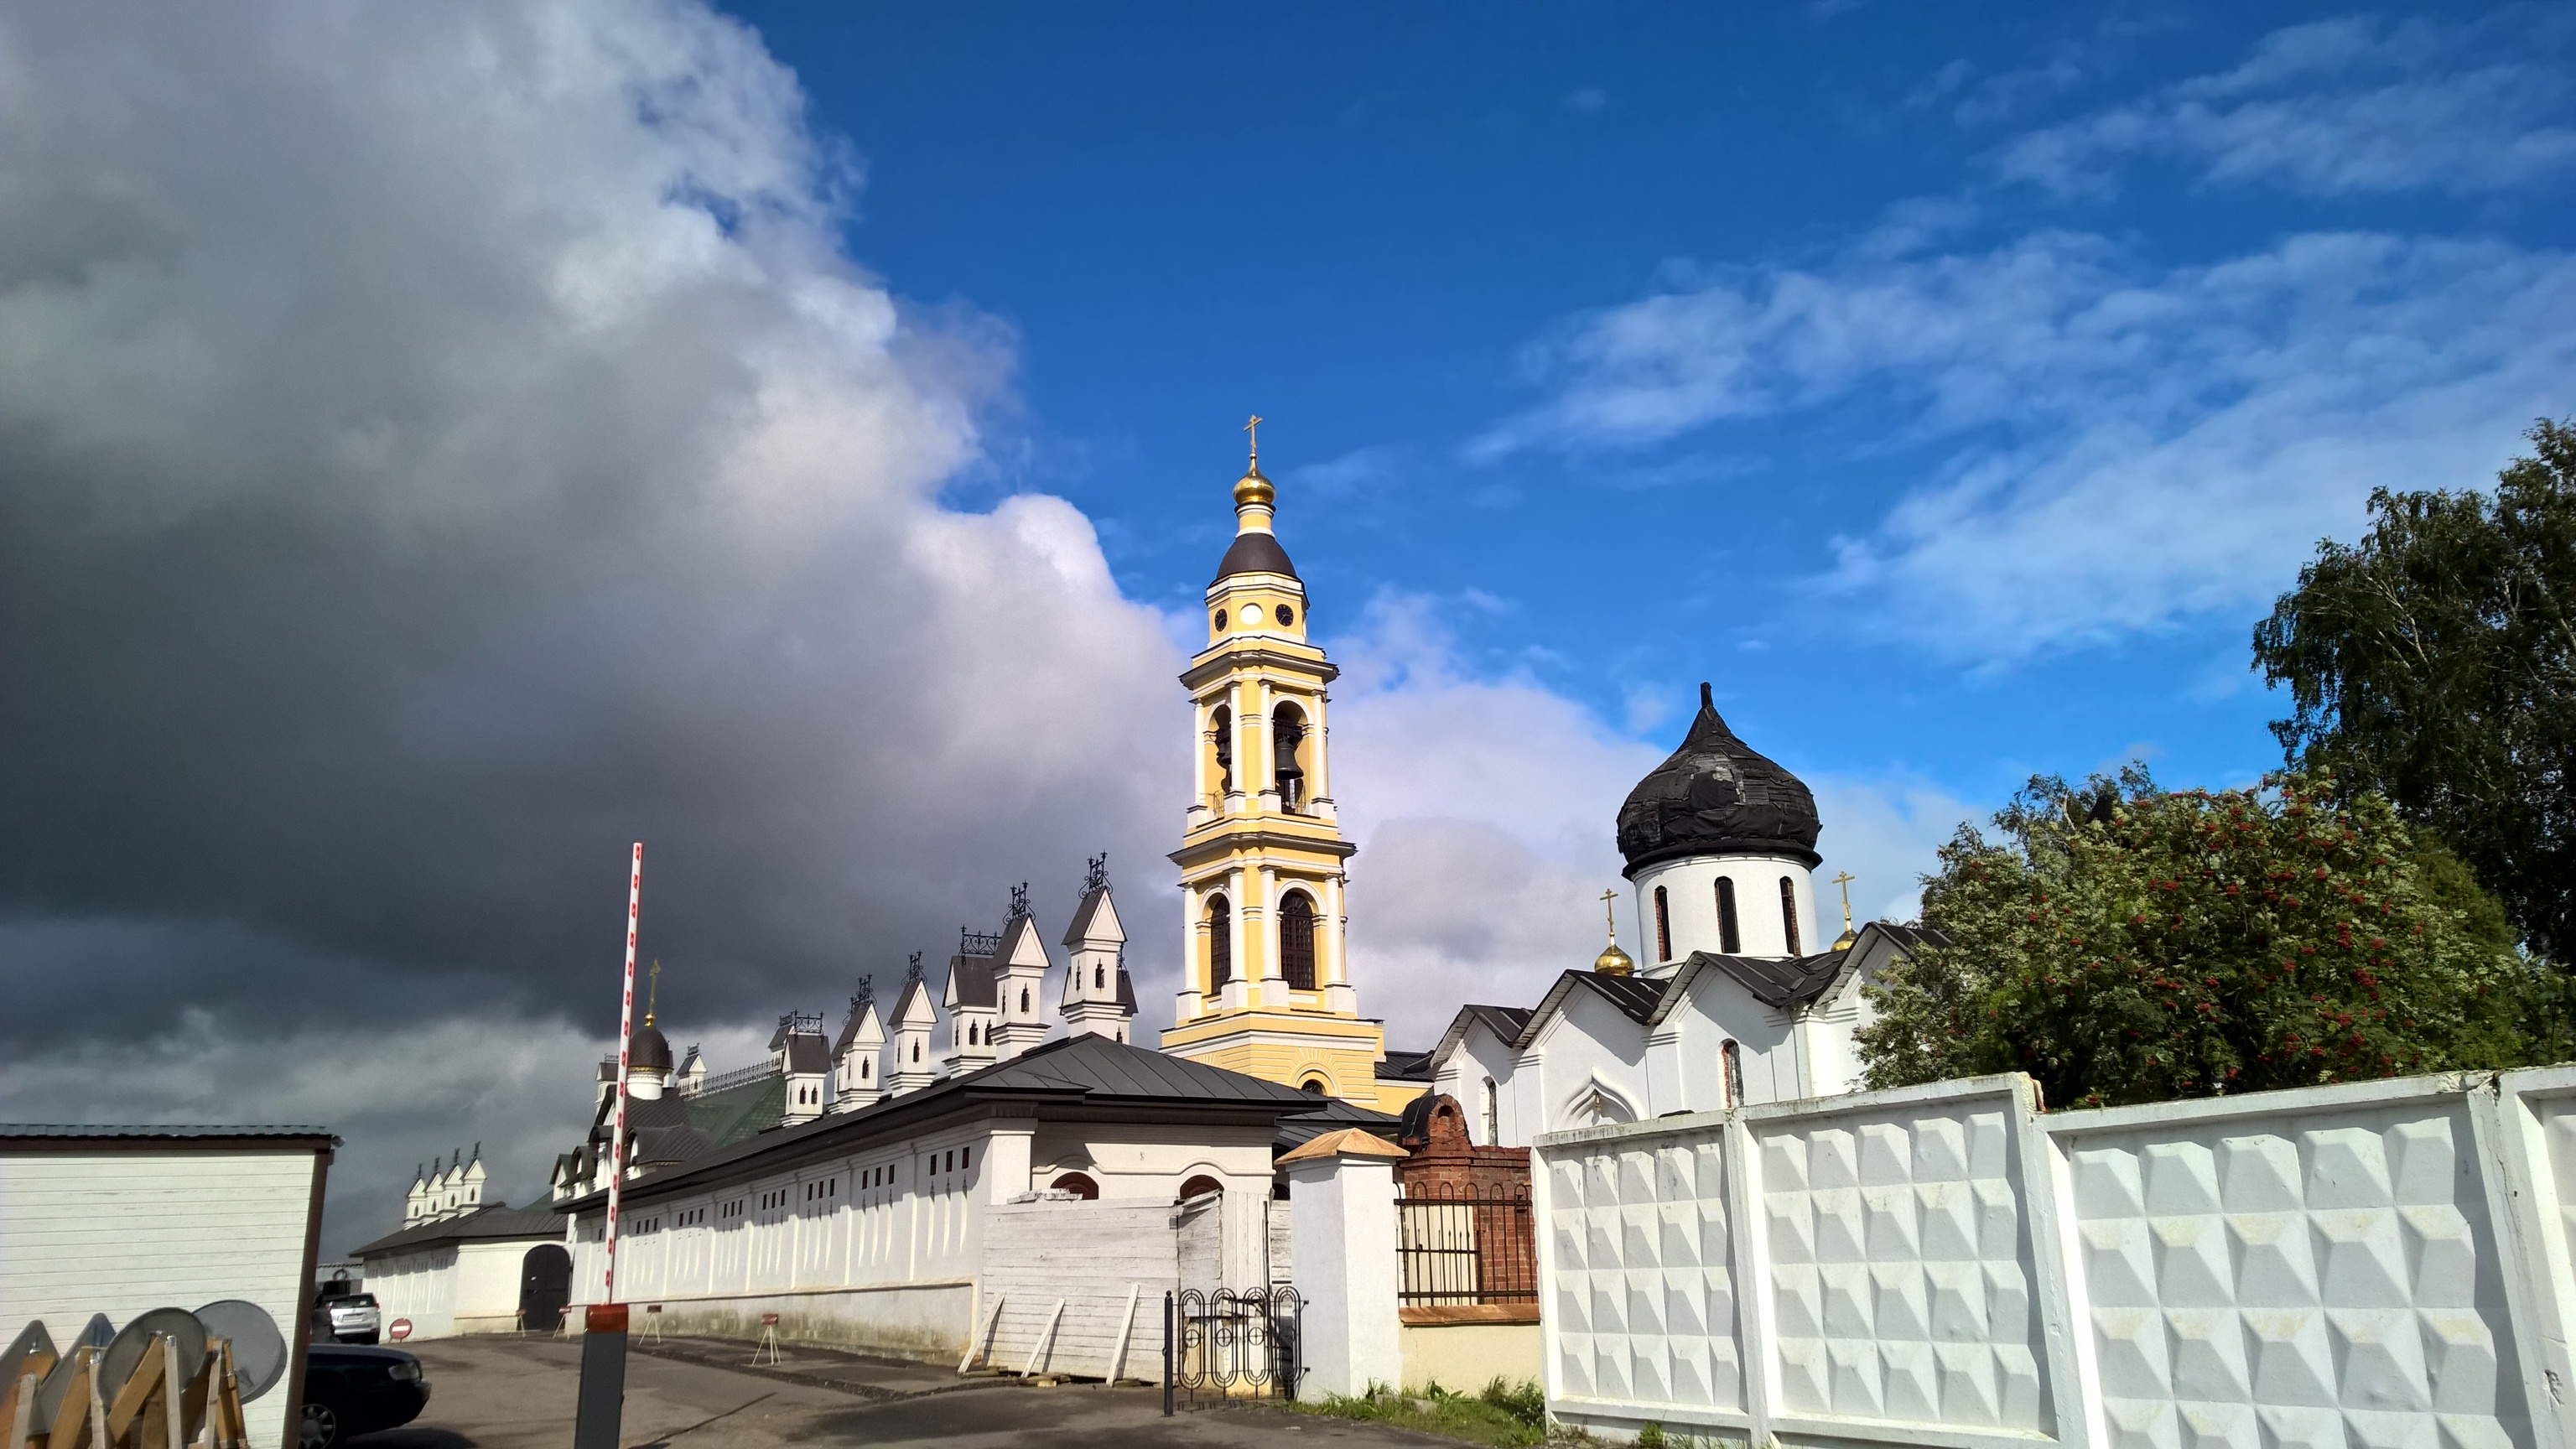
column 1265, row 785
column 1274, row 977
column 1341, row 1224
column 1339, row 994
column 1320, row 788
column 1193, row 930
column 1006, row 1158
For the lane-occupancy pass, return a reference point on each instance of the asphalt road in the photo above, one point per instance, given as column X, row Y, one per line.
column 519, row 1393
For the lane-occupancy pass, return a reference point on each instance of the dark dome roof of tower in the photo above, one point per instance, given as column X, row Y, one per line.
column 1256, row 553
column 1715, row 796
column 649, row 1050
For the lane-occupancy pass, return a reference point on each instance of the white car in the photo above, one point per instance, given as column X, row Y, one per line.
column 347, row 1318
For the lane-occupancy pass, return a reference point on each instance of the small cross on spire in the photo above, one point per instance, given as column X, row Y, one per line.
column 1610, row 913
column 1254, row 428
column 1844, row 880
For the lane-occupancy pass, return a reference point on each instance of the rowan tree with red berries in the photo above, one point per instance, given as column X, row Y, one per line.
column 2124, row 944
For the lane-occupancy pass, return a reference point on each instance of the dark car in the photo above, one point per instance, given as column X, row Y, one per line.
column 350, row 1391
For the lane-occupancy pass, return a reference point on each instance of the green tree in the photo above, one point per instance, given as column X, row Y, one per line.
column 2435, row 662
column 2122, row 944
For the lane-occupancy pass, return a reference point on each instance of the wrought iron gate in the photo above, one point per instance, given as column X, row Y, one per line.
column 1231, row 1344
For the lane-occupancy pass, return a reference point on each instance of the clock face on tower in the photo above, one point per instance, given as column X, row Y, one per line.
column 1287, row 616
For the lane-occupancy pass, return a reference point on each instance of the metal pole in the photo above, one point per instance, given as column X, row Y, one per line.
column 625, row 1043
column 600, row 1411
column 596, row 1419
column 1167, row 1354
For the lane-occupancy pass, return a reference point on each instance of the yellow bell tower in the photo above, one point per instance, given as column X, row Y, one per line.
column 1265, row 986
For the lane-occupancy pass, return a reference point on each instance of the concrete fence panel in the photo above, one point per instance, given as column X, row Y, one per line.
column 2382, row 1265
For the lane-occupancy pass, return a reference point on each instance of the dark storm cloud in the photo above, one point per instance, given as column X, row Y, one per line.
column 438, row 447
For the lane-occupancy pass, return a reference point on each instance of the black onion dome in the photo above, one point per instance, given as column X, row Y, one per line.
column 1715, row 796
column 649, row 1051
column 1256, row 553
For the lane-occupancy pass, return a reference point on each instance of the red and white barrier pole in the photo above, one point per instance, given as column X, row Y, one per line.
column 625, row 1045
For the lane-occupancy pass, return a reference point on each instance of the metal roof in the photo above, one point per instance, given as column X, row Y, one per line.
column 1084, row 1068
column 497, row 1221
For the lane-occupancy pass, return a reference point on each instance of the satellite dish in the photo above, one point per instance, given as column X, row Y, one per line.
column 125, row 1355
column 32, row 1340
column 259, row 1350
column 56, row 1388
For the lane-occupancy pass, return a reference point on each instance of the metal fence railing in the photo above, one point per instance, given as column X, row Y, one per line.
column 1465, row 1248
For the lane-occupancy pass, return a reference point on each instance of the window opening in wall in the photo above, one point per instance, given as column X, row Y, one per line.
column 1312, row 1087
column 1221, row 727
column 1297, row 941
column 1493, row 1114
column 1220, row 943
column 1789, row 914
column 1287, row 732
column 1079, row 1184
column 916, row 1051
column 965, row 1157
column 1732, row 1056
column 1730, row 939
column 1099, row 978
column 1200, row 1186
column 1663, row 926
column 1024, row 1001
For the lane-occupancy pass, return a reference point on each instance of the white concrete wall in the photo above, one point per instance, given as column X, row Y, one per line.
column 125, row 1231
column 450, row 1288
column 2379, row 1264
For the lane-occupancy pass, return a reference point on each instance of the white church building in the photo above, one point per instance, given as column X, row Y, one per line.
column 1729, row 1006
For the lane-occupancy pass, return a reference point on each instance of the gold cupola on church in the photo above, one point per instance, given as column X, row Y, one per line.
column 1265, row 981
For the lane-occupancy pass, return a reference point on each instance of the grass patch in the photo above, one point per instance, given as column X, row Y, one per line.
column 1502, row 1415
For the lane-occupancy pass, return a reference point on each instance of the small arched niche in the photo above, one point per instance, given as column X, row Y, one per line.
column 1077, row 1183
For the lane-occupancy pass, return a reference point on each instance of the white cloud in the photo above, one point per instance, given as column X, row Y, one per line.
column 1484, row 812
column 2122, row 445
column 2339, row 106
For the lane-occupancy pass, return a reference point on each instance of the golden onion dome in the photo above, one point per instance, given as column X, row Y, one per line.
column 1614, row 962
column 1253, row 489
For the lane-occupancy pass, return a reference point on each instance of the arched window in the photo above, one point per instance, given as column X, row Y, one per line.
column 1732, row 1056
column 1077, row 1183
column 1287, row 732
column 1221, row 727
column 1200, row 1186
column 1663, row 926
column 1024, row 1001
column 974, row 1034
column 1099, row 978
column 1313, row 1087
column 1789, row 914
column 1730, row 940
column 1297, row 941
column 1493, row 1114
column 1220, row 943
column 916, row 1049
column 863, row 1069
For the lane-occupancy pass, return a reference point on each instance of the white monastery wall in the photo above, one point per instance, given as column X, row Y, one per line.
column 1481, row 1057
column 2378, row 1264
column 449, row 1288
column 1588, row 1047
column 122, row 1231
column 884, row 1249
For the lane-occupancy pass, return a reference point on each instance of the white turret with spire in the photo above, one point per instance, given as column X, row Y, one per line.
column 1098, row 999
column 1019, row 982
column 914, row 1019
column 858, row 1056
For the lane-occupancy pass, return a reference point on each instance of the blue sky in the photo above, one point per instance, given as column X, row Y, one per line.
column 1978, row 424
column 468, row 439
